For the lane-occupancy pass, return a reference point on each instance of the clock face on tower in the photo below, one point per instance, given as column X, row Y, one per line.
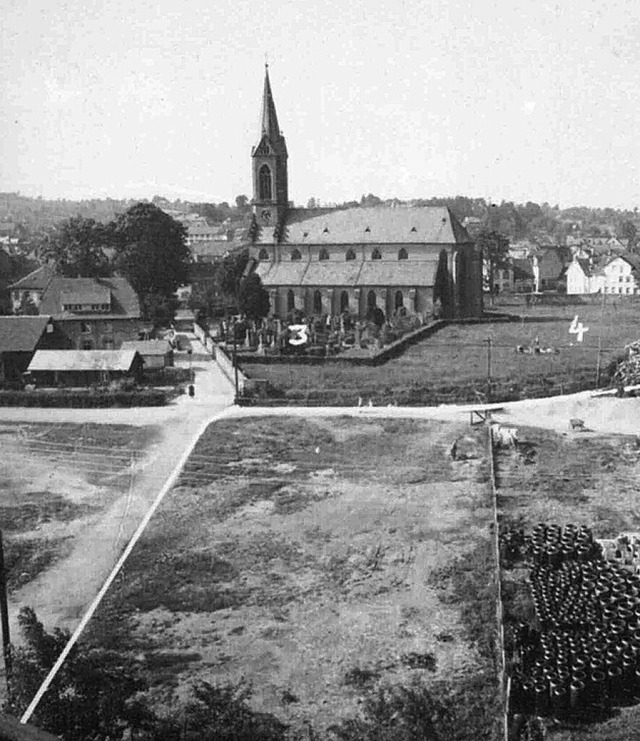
column 266, row 215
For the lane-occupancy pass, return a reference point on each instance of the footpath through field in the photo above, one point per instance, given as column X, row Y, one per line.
column 61, row 594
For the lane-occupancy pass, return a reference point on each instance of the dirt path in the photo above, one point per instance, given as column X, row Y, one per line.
column 61, row 594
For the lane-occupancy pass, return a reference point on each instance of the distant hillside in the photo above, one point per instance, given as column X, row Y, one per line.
column 26, row 216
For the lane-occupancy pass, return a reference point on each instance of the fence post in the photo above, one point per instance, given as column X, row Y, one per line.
column 489, row 342
column 598, row 361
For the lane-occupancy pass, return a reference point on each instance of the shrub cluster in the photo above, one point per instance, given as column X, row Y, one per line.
column 83, row 399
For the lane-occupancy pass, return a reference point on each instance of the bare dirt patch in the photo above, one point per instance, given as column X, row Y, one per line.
column 54, row 481
column 320, row 571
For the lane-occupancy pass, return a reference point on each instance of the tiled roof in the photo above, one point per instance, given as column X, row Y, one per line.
column 148, row 347
column 401, row 273
column 124, row 302
column 282, row 273
column 82, row 360
column 210, row 248
column 36, row 280
column 377, row 225
column 352, row 273
column 94, row 294
column 21, row 333
column 327, row 273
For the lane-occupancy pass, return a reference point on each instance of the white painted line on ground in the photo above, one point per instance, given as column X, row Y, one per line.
column 125, row 554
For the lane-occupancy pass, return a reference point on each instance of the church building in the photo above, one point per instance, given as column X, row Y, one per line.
column 332, row 260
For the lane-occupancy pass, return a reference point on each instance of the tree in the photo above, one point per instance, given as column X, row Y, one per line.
column 27, row 306
column 253, row 299
column 92, row 694
column 442, row 288
column 242, row 203
column 232, row 271
column 495, row 254
column 152, row 253
column 628, row 230
column 76, row 248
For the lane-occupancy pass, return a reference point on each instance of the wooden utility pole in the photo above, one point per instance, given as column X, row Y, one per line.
column 4, row 620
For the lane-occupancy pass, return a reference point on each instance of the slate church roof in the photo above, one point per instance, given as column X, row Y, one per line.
column 374, row 225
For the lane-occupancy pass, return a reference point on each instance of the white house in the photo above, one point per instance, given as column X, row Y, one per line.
column 583, row 277
column 619, row 275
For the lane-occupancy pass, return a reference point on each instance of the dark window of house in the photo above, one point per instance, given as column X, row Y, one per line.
column 351, row 254
column 375, row 255
column 344, row 301
column 402, row 254
column 371, row 300
column 317, row 302
column 85, row 327
column 296, row 255
column 324, row 255
column 291, row 301
column 263, row 254
column 264, row 183
column 399, row 302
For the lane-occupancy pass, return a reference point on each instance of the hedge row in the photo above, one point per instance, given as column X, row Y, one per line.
column 84, row 400
column 417, row 395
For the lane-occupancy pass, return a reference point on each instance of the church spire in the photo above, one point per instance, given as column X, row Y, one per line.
column 269, row 164
column 269, row 121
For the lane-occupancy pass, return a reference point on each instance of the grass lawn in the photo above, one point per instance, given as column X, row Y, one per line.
column 51, row 478
column 570, row 478
column 320, row 560
column 452, row 364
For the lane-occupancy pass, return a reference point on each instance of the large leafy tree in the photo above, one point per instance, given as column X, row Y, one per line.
column 253, row 298
column 152, row 253
column 75, row 247
column 495, row 253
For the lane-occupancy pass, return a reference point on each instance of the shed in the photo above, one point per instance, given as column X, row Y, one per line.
column 84, row 367
column 155, row 353
column 20, row 337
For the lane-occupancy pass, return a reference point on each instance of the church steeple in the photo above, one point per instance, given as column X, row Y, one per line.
column 270, row 180
column 269, row 121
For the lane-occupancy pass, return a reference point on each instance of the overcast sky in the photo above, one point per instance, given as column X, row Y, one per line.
column 501, row 99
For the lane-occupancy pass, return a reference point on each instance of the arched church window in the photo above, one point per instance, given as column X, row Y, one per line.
column 324, row 255
column 402, row 254
column 296, row 255
column 263, row 254
column 375, row 255
column 317, row 302
column 351, row 254
column 372, row 301
column 344, row 301
column 264, row 183
column 291, row 301
column 399, row 300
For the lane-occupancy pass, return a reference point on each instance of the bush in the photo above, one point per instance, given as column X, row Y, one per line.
column 89, row 399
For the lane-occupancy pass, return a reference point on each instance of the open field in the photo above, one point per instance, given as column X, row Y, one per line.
column 320, row 560
column 452, row 365
column 563, row 478
column 54, row 480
